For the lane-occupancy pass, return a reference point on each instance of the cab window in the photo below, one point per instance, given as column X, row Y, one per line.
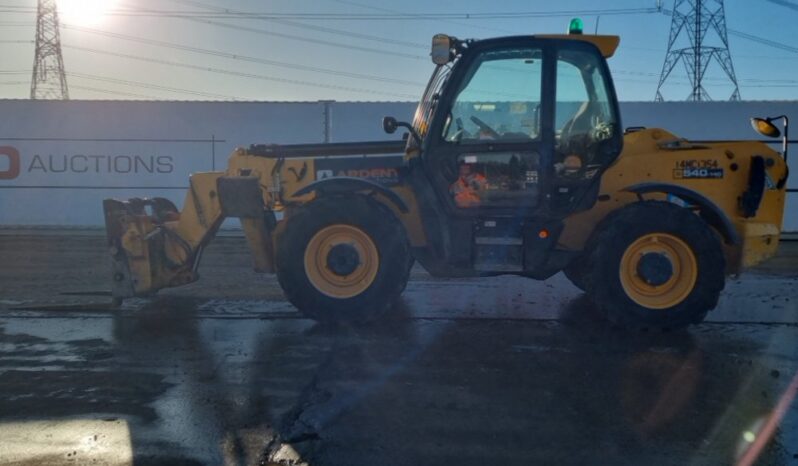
column 499, row 99
column 584, row 116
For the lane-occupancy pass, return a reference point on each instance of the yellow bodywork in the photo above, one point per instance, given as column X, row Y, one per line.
column 154, row 246
column 243, row 162
column 166, row 254
column 655, row 155
column 160, row 256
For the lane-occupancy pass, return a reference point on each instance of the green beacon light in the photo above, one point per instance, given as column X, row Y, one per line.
column 576, row 26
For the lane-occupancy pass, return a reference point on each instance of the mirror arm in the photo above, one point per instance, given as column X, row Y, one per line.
column 412, row 131
column 389, row 124
column 785, row 141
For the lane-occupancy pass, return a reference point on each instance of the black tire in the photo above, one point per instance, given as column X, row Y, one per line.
column 621, row 230
column 576, row 272
column 381, row 227
column 410, row 263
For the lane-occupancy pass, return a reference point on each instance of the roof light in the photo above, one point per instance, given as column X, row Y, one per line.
column 576, row 26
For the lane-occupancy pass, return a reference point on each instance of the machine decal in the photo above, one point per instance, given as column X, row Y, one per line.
column 698, row 173
column 300, row 175
column 383, row 170
column 703, row 163
column 698, row 169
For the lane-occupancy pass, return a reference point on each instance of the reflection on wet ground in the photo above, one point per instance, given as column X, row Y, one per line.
column 233, row 389
column 498, row 371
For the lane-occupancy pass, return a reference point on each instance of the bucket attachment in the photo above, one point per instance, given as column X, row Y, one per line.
column 146, row 253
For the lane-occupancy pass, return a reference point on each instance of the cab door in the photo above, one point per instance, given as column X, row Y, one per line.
column 492, row 136
column 520, row 136
column 524, row 129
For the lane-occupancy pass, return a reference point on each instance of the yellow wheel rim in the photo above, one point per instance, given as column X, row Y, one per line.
column 341, row 275
column 669, row 291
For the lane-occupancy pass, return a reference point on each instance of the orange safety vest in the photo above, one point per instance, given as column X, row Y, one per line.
column 465, row 190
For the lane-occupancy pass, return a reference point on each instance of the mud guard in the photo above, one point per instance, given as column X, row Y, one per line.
column 347, row 184
column 711, row 213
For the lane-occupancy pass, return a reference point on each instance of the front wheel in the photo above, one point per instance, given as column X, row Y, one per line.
column 656, row 265
column 342, row 259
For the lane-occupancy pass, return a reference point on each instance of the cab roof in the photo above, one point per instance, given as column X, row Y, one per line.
column 606, row 44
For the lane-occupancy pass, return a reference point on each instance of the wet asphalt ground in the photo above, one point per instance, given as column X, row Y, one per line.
column 495, row 371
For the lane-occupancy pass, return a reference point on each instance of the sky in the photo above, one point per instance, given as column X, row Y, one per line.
column 358, row 50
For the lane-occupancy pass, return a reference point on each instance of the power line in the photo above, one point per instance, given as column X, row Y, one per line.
column 237, row 27
column 160, row 43
column 119, row 81
column 615, row 72
column 356, row 35
column 751, row 37
column 236, row 73
column 150, row 86
column 362, row 16
column 231, row 73
column 21, row 8
column 784, row 3
column 706, row 78
column 108, row 91
column 232, row 56
column 762, row 40
column 449, row 21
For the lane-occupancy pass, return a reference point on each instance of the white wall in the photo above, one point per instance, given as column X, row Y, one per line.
column 98, row 139
column 74, row 154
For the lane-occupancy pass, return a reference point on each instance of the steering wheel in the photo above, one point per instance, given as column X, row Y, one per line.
column 484, row 127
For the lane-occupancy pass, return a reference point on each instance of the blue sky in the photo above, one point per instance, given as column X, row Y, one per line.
column 301, row 58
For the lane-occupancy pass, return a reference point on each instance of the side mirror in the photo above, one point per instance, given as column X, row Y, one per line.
column 765, row 127
column 389, row 124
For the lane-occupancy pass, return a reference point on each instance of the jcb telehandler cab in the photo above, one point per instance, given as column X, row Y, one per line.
column 516, row 163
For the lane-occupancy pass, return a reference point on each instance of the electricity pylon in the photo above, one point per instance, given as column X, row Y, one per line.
column 49, row 78
column 696, row 19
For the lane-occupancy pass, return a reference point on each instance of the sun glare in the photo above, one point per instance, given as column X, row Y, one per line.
column 84, row 12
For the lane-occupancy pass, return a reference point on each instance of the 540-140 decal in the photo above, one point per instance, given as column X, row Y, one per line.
column 697, row 169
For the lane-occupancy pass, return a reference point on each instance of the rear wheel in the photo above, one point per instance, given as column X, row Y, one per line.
column 656, row 265
column 342, row 258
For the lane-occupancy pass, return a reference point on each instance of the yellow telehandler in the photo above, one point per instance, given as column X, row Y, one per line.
column 515, row 163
